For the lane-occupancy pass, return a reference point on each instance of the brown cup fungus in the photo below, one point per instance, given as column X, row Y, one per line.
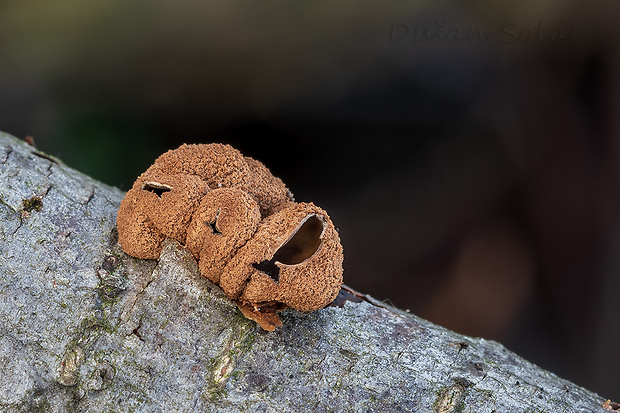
column 240, row 222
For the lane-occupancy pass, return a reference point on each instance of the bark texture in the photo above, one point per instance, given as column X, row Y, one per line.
column 84, row 327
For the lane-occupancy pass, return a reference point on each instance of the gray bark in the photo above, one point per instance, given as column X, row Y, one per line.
column 84, row 327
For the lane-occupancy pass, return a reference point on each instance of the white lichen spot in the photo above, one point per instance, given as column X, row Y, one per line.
column 68, row 372
column 451, row 398
column 223, row 370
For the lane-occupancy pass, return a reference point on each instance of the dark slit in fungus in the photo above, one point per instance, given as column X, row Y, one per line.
column 299, row 248
column 156, row 188
column 269, row 268
column 213, row 224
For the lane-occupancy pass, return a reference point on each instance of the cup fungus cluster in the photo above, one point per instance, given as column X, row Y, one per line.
column 241, row 223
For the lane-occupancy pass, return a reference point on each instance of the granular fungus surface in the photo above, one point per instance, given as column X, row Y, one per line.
column 242, row 225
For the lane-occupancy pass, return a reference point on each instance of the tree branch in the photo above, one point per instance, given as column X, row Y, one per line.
column 85, row 327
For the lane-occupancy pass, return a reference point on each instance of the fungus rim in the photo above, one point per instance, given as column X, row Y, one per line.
column 155, row 187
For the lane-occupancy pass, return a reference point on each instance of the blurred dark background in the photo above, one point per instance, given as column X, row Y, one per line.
column 468, row 151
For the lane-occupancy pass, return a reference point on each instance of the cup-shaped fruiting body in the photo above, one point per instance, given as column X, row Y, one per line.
column 294, row 258
column 225, row 219
column 242, row 225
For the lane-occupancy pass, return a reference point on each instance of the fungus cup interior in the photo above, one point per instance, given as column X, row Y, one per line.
column 301, row 246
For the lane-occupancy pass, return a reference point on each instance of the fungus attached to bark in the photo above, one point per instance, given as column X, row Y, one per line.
column 242, row 225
